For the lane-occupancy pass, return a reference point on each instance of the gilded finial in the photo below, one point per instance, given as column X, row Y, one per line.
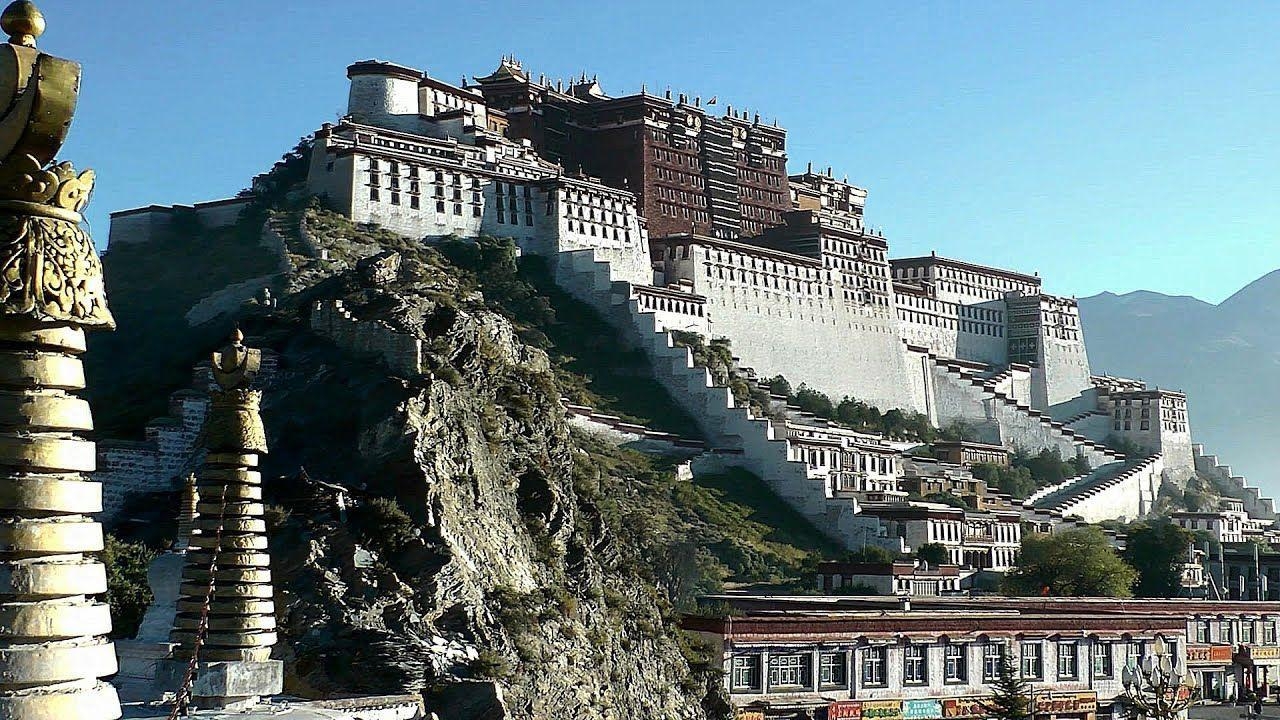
column 23, row 22
column 235, row 365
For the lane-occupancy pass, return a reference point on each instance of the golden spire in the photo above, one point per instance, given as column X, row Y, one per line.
column 23, row 22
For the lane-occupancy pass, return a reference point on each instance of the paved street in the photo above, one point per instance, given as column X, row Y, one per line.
column 1231, row 712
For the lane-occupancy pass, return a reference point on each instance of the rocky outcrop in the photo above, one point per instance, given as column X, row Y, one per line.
column 438, row 530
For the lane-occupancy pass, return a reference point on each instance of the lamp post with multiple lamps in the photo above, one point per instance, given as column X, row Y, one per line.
column 1155, row 688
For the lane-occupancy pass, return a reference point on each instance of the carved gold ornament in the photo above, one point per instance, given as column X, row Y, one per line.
column 49, row 268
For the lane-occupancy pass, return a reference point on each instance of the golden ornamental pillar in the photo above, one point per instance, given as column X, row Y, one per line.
column 226, row 627
column 54, row 649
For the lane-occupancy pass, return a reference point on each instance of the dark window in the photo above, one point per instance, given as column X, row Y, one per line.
column 1032, row 661
column 992, row 656
column 915, row 665
column 1067, row 661
column 873, row 666
column 954, row 666
column 833, row 670
column 791, row 670
column 1101, row 659
column 746, row 673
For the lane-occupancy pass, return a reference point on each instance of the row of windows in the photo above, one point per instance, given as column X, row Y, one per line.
column 416, row 204
column 681, row 196
column 672, row 175
column 756, row 193
column 840, row 459
column 1227, row 631
column 599, row 200
column 696, row 215
column 854, row 266
column 850, row 249
column 764, row 161
column 969, row 277
column 769, row 281
column 773, row 266
column 755, row 176
column 770, row 215
column 947, row 323
column 960, row 310
column 677, row 158
column 795, row 670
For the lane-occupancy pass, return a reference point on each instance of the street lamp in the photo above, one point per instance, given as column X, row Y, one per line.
column 1155, row 688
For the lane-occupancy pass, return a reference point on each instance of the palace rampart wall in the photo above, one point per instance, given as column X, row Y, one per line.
column 401, row 352
column 145, row 224
column 786, row 315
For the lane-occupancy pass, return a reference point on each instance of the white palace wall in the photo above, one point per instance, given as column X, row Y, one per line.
column 785, row 315
column 1064, row 372
column 972, row 332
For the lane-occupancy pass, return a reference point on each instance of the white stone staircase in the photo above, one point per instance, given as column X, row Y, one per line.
column 1114, row 490
column 1020, row 424
column 735, row 436
column 1234, row 485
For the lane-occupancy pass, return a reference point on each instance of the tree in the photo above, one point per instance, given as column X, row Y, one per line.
column 778, row 385
column 933, row 553
column 813, row 401
column 870, row 554
column 128, row 593
column 959, row 429
column 1157, row 551
column 1010, row 694
column 1074, row 563
column 946, row 498
column 1016, row 481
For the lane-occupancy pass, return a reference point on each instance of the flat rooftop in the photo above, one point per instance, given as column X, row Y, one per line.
column 963, row 265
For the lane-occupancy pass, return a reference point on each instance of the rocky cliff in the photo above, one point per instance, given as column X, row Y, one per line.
column 445, row 531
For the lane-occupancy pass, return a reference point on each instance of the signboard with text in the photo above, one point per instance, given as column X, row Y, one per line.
column 1066, row 703
column 881, row 710
column 926, row 709
column 963, row 708
column 1208, row 654
column 1264, row 653
column 845, row 710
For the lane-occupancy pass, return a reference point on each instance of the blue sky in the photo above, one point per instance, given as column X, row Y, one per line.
column 1107, row 146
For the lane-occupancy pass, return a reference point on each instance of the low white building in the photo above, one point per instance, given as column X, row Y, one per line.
column 894, row 578
column 857, row 463
column 978, row 540
column 1226, row 525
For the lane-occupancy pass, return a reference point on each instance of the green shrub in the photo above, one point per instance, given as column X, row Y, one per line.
column 128, row 593
column 382, row 524
column 491, row 665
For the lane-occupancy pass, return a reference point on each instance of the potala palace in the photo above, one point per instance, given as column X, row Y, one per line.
column 670, row 215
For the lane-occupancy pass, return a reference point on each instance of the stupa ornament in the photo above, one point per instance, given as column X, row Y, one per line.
column 49, row 269
column 54, row 649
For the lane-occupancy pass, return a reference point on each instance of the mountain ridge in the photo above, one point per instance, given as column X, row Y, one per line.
column 1224, row 356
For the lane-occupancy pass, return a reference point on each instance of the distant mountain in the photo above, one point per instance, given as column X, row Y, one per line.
column 1226, row 357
